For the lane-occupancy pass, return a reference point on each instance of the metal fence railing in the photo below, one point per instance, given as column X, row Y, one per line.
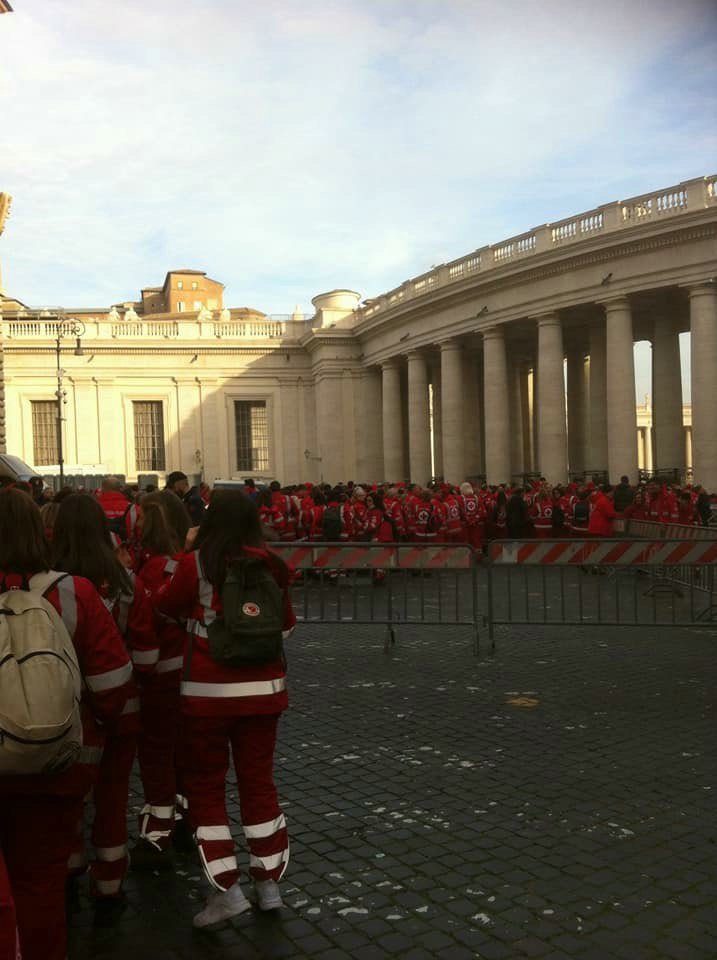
column 388, row 584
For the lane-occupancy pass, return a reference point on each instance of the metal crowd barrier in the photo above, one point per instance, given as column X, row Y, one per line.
column 390, row 584
column 626, row 582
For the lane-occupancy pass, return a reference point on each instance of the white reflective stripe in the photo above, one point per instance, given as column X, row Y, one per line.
column 90, row 754
column 108, row 887
column 181, row 801
column 166, row 666
column 221, row 832
column 161, row 813
column 285, row 634
column 170, row 566
column 110, row 679
column 215, row 867
column 255, row 831
column 270, row 861
column 145, row 656
column 132, row 706
column 68, row 604
column 110, row 854
column 197, row 628
column 255, row 688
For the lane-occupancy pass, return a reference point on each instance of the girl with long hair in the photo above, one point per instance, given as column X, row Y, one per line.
column 230, row 706
column 162, row 526
column 82, row 545
column 40, row 813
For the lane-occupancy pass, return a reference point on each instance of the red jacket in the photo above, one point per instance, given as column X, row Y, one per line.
column 601, row 516
column 157, row 570
column 208, row 688
column 113, row 503
column 107, row 675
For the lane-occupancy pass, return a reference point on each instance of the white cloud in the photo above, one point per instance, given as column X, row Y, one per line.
column 296, row 146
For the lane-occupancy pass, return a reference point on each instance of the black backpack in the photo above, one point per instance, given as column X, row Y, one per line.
column 558, row 515
column 581, row 513
column 250, row 628
column 331, row 524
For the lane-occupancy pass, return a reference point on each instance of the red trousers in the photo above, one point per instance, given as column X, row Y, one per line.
column 109, row 830
column 205, row 763
column 36, row 837
column 156, row 752
column 9, row 943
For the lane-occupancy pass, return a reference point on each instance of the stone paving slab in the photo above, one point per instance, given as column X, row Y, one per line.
column 556, row 801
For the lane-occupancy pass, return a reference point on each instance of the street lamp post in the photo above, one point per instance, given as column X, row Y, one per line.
column 65, row 328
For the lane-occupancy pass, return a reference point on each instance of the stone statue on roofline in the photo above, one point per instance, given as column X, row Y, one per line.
column 205, row 314
column 225, row 315
column 130, row 315
column 113, row 316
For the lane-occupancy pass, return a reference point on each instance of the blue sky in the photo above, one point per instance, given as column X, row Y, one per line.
column 291, row 147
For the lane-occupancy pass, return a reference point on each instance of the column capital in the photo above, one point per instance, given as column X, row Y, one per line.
column 391, row 363
column 611, row 304
column 703, row 288
column 416, row 353
column 546, row 319
column 452, row 344
column 494, row 333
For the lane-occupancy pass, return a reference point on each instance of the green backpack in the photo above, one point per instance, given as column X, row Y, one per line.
column 250, row 628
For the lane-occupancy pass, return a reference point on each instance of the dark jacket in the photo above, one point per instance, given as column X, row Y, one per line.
column 624, row 495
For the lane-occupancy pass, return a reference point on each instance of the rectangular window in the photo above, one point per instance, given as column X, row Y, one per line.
column 148, row 435
column 197, row 305
column 180, row 284
column 44, row 433
column 195, row 285
column 180, row 306
column 252, row 435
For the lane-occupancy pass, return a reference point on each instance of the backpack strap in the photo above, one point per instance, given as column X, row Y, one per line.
column 44, row 582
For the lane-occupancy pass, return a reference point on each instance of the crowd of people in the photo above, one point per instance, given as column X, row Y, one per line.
column 152, row 598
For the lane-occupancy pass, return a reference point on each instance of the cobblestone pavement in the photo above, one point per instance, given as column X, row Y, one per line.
column 556, row 801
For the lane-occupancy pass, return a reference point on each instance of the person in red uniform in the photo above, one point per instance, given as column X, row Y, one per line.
column 225, row 707
column 602, row 513
column 360, row 514
column 395, row 514
column 285, row 512
column 9, row 941
column 82, row 546
column 113, row 502
column 685, row 510
column 455, row 531
column 164, row 524
column 39, row 814
column 541, row 513
column 471, row 512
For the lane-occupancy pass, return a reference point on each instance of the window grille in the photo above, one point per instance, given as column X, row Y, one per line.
column 44, row 433
column 148, row 435
column 252, row 435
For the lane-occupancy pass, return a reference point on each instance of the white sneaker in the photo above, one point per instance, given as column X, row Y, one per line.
column 268, row 895
column 221, row 905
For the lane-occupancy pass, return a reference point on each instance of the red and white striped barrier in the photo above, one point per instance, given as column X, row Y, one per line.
column 598, row 551
column 371, row 556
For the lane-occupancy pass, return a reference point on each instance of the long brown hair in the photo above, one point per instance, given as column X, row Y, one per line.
column 23, row 548
column 230, row 523
column 165, row 522
column 82, row 546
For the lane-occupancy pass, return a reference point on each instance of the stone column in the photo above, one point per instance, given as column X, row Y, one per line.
column 369, row 455
column 419, row 437
column 621, row 403
column 496, row 403
column 669, row 446
column 552, row 429
column 576, row 411
column 437, row 417
column 473, row 415
column 525, row 416
column 703, row 350
column 649, row 450
column 597, row 451
column 452, row 401
column 517, row 447
column 392, row 421
column 329, row 428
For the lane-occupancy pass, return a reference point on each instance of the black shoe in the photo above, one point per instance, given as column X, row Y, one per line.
column 145, row 856
column 183, row 838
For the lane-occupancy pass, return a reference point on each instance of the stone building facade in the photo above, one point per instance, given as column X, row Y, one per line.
column 516, row 358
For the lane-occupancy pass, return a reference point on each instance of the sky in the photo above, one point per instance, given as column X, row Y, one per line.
column 289, row 148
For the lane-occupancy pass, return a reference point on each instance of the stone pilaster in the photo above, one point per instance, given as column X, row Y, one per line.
column 393, row 465
column 577, row 401
column 496, row 403
column 552, row 430
column 669, row 446
column 596, row 457
column 703, row 327
column 452, row 411
column 621, row 412
column 419, row 435
column 369, row 427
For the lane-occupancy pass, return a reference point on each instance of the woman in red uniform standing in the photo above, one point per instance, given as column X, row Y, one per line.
column 163, row 524
column 82, row 545
column 39, row 813
column 228, row 706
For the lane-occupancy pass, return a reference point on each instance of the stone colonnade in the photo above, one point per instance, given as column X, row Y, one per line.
column 494, row 408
